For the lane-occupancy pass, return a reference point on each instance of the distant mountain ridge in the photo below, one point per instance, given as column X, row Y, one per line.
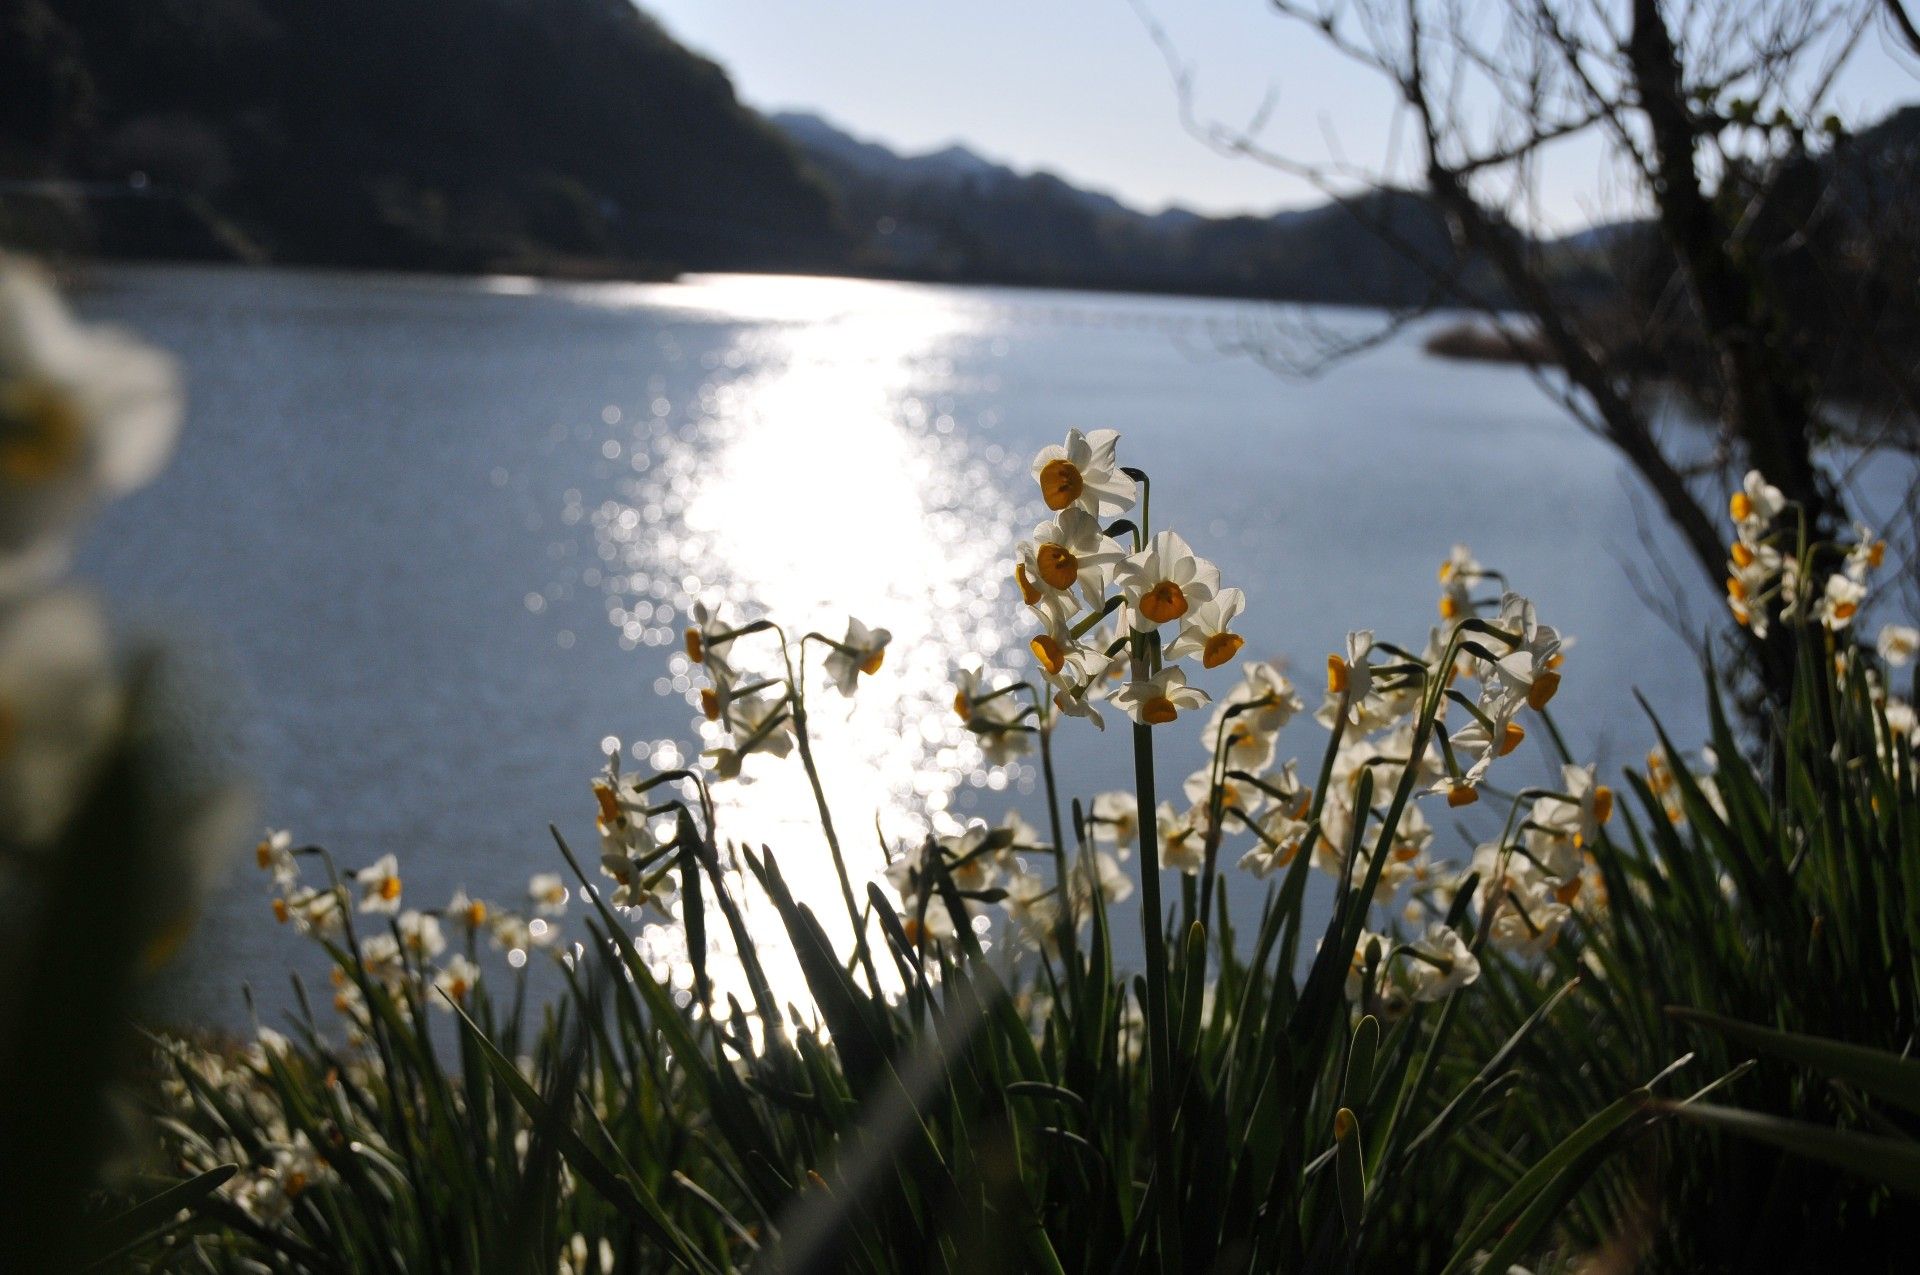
column 951, row 214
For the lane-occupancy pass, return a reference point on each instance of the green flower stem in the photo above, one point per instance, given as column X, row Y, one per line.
column 1061, row 872
column 797, row 698
column 1159, row 1058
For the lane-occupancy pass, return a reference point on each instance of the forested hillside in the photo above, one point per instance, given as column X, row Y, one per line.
column 451, row 134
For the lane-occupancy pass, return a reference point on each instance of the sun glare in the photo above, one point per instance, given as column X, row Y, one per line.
column 827, row 481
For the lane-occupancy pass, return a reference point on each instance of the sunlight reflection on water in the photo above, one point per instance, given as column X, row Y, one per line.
column 823, row 481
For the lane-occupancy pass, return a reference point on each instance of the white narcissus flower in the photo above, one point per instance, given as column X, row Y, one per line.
column 316, row 912
column 1234, row 794
column 707, row 642
column 1460, row 565
column 971, row 865
column 59, row 701
column 1159, row 699
column 1084, row 473
column 1282, row 833
column 1084, row 704
column 1439, row 963
column 1055, row 644
column 456, row 981
column 1530, row 673
column 861, row 651
column 1586, row 805
column 1477, row 744
column 1248, row 747
column 86, row 413
column 420, row 935
column 1205, row 630
column 1349, row 678
column 1841, row 601
column 622, row 823
column 1071, row 554
column 927, row 921
column 1001, row 738
column 1165, row 582
column 1755, row 505
column 1022, row 834
column 1867, row 553
column 994, row 719
column 632, row 887
column 1033, row 906
column 1116, row 819
column 469, row 914
column 1902, row 721
column 380, row 957
column 761, row 724
column 275, row 854
column 1751, row 570
column 380, row 885
column 1457, row 576
column 1183, row 837
column 1897, row 644
column 1269, row 699
column 916, row 873
column 547, row 893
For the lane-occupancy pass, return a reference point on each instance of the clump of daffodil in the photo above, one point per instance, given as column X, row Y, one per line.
column 1166, row 601
column 1772, row 574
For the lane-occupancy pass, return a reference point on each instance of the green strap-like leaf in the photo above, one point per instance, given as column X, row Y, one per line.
column 1893, row 1161
column 1887, row 1075
column 113, row 1235
column 1542, row 1175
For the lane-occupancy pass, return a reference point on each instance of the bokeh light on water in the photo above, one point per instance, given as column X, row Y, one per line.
column 825, row 479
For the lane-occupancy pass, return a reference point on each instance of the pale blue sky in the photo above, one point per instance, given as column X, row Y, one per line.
column 1077, row 87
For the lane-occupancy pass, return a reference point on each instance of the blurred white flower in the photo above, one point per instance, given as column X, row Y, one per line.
column 456, row 981
column 1282, row 833
column 379, row 885
column 311, row 911
column 1438, row 963
column 1183, row 837
column 547, row 893
column 1755, row 505
column 420, row 935
column 86, row 413
column 275, row 854
column 1841, row 600
column 1033, row 906
column 1898, row 643
column 1116, row 819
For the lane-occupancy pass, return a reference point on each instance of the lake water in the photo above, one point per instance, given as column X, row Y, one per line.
column 438, row 538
